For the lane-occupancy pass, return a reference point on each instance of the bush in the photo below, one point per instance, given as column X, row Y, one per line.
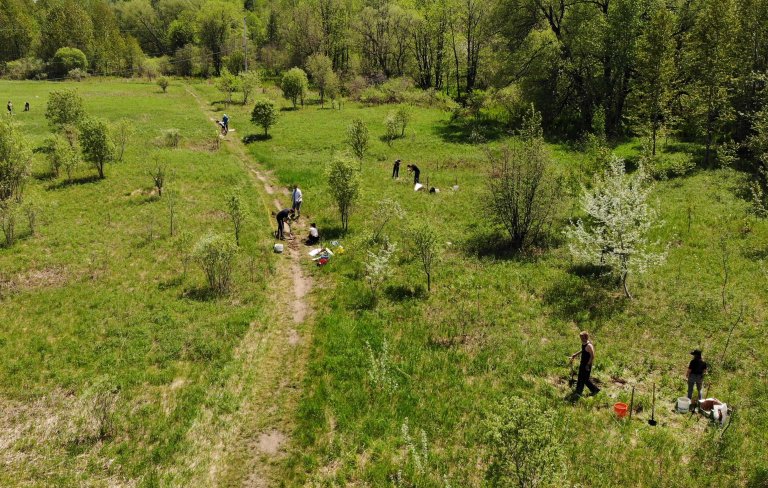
column 264, row 114
column 61, row 155
column 171, row 138
column 525, row 449
column 15, row 161
column 65, row 60
column 24, row 69
column 77, row 74
column 65, row 107
column 294, row 85
column 163, row 83
column 216, row 255
column 9, row 213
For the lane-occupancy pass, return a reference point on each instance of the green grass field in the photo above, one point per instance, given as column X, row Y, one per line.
column 521, row 318
column 98, row 301
column 98, row 304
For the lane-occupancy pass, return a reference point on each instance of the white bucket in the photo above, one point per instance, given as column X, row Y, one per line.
column 278, row 248
column 683, row 404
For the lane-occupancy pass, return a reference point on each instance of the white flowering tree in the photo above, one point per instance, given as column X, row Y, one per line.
column 377, row 267
column 619, row 220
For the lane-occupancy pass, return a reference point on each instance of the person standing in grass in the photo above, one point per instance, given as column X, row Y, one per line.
column 281, row 217
column 416, row 172
column 225, row 123
column 585, row 367
column 297, row 199
column 26, row 106
column 10, row 108
column 695, row 373
column 396, row 169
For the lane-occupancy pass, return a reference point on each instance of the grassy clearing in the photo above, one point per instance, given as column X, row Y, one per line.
column 497, row 326
column 98, row 305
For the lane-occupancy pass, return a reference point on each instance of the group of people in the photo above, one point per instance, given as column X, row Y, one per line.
column 694, row 375
column 412, row 168
column 285, row 215
column 10, row 107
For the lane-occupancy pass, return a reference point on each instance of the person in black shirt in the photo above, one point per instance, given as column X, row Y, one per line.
column 695, row 373
column 26, row 106
column 10, row 108
column 416, row 172
column 396, row 169
column 585, row 366
column 282, row 216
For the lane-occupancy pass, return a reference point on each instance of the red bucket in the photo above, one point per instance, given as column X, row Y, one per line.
column 620, row 409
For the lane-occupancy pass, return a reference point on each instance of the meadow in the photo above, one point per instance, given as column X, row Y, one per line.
column 498, row 325
column 111, row 342
column 98, row 309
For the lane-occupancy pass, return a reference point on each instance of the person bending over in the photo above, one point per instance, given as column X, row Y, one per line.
column 416, row 172
column 314, row 235
column 282, row 216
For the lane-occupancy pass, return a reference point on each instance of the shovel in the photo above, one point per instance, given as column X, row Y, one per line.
column 572, row 381
column 632, row 403
column 652, row 420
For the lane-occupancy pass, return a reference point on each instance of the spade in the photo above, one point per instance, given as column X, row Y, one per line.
column 652, row 420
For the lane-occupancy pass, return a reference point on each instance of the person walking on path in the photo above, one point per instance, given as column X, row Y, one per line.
column 225, row 123
column 296, row 198
column 396, row 169
column 416, row 172
column 281, row 217
column 585, row 366
column 10, row 108
column 695, row 373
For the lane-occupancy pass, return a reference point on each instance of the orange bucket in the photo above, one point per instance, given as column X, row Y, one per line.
column 620, row 409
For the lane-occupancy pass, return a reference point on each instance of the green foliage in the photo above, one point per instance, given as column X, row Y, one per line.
column 264, row 114
column 65, row 107
column 216, row 253
column 358, row 138
column 163, row 83
column 248, row 81
column 123, row 132
column 9, row 215
column 344, row 187
column 62, row 156
column 65, row 24
column 294, row 85
column 526, row 449
column 238, row 213
column 15, row 161
column 227, row 84
column 97, row 145
column 320, row 68
column 216, row 22
column 425, row 244
column 67, row 59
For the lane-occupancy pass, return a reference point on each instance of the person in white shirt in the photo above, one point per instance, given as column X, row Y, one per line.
column 314, row 235
column 297, row 199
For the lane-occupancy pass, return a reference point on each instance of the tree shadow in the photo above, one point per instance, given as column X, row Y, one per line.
column 251, row 138
column 84, row 180
column 289, row 109
column 583, row 295
column 200, row 294
column 470, row 131
column 45, row 176
column 333, row 233
column 170, row 283
column 402, row 292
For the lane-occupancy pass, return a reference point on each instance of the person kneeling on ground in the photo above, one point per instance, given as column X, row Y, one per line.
column 314, row 235
column 282, row 216
column 585, row 367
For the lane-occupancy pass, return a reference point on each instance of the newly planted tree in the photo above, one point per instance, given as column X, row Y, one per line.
column 163, row 83
column 425, row 244
column 344, row 186
column 248, row 82
column 358, row 139
column 237, row 214
column 227, row 84
column 294, row 86
column 158, row 175
column 378, row 268
column 122, row 133
column 97, row 146
column 264, row 114
column 619, row 220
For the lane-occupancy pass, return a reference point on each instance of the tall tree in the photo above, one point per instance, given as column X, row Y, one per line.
column 66, row 24
column 216, row 22
column 19, row 31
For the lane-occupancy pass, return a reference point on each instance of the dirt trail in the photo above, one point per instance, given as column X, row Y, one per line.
column 245, row 449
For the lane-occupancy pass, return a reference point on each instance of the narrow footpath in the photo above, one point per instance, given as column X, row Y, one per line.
column 244, row 446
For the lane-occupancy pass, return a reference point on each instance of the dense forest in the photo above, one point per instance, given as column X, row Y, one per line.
column 610, row 67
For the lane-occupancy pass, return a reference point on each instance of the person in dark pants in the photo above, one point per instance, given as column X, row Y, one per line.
column 225, row 122
column 396, row 169
column 26, row 106
column 416, row 172
column 10, row 108
column 585, row 367
column 695, row 373
column 281, row 217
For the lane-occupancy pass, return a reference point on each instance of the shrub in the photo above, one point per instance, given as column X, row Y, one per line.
column 77, row 74
column 65, row 107
column 378, row 268
column 227, row 84
column 294, row 85
column 158, row 178
column 264, row 114
column 171, row 138
column 344, row 186
column 525, row 449
column 60, row 153
column 122, row 132
column 15, row 161
column 357, row 138
column 9, row 212
column 424, row 243
column 216, row 255
column 24, row 69
column 392, row 128
column 66, row 59
column 248, row 82
column 163, row 83
column 403, row 118
column 522, row 191
column 97, row 146
column 32, row 210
